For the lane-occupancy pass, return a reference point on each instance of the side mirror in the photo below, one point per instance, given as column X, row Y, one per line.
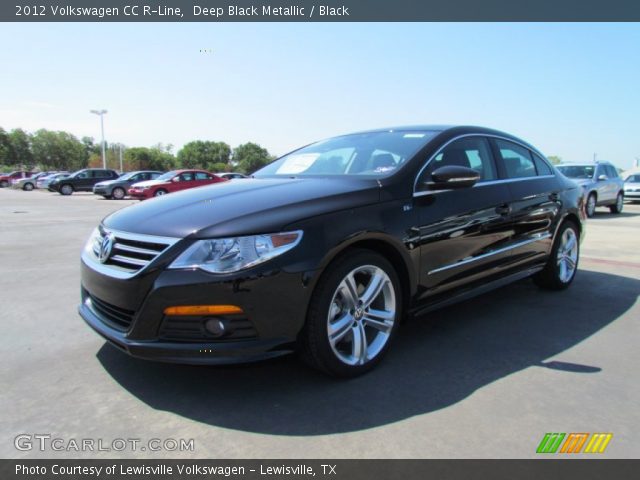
column 452, row 177
column 603, row 178
column 175, row 179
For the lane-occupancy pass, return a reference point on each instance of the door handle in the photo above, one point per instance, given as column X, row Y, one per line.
column 504, row 209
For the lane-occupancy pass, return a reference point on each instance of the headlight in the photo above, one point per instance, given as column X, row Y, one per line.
column 93, row 242
column 227, row 255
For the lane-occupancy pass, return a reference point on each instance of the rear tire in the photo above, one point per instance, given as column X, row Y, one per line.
column 4, row 184
column 353, row 315
column 28, row 187
column 66, row 189
column 619, row 205
column 562, row 265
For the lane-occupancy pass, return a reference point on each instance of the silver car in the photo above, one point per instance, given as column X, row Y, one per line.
column 29, row 183
column 45, row 181
column 632, row 187
column 600, row 182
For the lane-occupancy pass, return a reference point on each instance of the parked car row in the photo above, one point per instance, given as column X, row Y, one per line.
column 110, row 184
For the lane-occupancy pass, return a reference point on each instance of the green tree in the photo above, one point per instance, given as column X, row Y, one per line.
column 5, row 149
column 59, row 150
column 20, row 142
column 205, row 154
column 250, row 157
column 142, row 158
column 91, row 147
column 554, row 159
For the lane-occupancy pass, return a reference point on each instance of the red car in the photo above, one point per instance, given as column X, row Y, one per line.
column 6, row 179
column 172, row 182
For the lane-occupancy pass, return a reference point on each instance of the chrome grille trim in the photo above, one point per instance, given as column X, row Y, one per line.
column 131, row 252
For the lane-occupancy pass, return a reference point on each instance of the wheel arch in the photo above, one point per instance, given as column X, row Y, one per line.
column 395, row 252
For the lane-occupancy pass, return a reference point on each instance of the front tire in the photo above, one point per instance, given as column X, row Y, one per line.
column 66, row 189
column 160, row 192
column 591, row 205
column 562, row 265
column 28, row 187
column 118, row 193
column 4, row 184
column 619, row 205
column 353, row 315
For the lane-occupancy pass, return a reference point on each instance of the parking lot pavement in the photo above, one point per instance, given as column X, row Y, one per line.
column 484, row 378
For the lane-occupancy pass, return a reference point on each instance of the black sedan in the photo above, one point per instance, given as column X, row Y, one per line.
column 328, row 248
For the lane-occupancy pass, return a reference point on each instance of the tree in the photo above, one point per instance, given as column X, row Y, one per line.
column 58, row 150
column 5, row 149
column 20, row 142
column 205, row 154
column 554, row 159
column 250, row 157
column 142, row 158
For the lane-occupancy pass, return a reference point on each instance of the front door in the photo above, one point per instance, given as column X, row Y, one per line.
column 464, row 234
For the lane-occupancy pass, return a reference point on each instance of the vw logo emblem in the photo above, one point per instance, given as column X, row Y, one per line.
column 106, row 247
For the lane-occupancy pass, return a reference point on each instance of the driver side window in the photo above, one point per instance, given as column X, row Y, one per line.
column 471, row 152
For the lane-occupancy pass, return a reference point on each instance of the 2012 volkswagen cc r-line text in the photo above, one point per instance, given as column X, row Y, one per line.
column 326, row 249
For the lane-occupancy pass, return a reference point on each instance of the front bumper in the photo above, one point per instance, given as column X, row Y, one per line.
column 139, row 194
column 100, row 190
column 632, row 194
column 274, row 306
column 205, row 353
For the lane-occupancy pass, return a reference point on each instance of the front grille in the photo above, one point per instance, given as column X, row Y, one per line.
column 131, row 252
column 191, row 329
column 115, row 317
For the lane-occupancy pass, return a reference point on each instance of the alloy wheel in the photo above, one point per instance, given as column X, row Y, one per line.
column 118, row 193
column 567, row 257
column 362, row 315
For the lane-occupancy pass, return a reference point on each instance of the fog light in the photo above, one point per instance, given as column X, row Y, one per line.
column 215, row 327
column 203, row 310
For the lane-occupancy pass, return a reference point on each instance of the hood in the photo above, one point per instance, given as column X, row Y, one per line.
column 109, row 182
column 243, row 208
column 582, row 181
column 148, row 183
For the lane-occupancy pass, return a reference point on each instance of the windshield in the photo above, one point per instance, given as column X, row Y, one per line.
column 126, row 176
column 633, row 178
column 168, row 175
column 366, row 154
column 577, row 171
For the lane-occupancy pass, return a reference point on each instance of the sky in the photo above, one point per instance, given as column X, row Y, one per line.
column 572, row 90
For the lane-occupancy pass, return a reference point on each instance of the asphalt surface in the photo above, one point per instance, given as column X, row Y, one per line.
column 482, row 379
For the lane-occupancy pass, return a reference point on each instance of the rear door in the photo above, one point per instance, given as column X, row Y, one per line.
column 534, row 199
column 203, row 178
column 187, row 180
column 83, row 181
column 462, row 233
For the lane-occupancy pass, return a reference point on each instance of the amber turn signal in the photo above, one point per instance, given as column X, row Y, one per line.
column 202, row 310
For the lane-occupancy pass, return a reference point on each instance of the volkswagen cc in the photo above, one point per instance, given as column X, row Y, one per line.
column 327, row 249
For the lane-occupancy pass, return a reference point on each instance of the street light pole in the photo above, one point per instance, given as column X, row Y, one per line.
column 101, row 114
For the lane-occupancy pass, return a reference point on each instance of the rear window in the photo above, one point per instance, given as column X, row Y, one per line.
column 516, row 159
column 541, row 165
